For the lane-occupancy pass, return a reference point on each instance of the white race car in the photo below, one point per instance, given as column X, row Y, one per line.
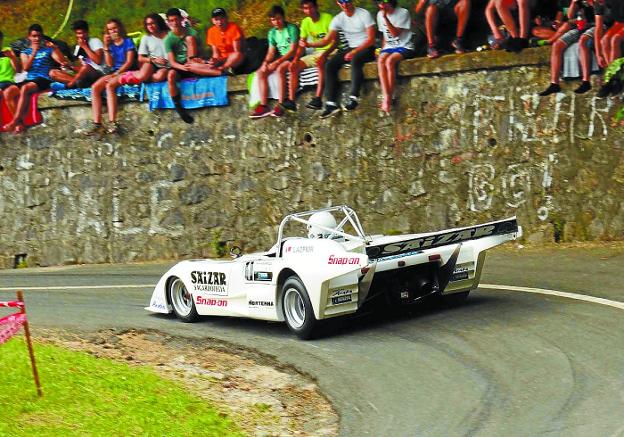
column 333, row 271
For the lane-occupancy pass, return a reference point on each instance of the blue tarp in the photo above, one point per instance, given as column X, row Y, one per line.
column 195, row 92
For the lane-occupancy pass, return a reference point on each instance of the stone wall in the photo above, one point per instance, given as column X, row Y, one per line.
column 464, row 145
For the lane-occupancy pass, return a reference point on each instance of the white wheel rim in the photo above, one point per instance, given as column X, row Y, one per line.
column 294, row 308
column 181, row 299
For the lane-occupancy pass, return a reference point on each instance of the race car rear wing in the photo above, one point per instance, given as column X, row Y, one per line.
column 443, row 238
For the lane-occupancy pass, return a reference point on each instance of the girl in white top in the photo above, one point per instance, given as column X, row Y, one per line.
column 394, row 24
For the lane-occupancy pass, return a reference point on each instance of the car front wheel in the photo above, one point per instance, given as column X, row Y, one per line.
column 182, row 301
column 297, row 309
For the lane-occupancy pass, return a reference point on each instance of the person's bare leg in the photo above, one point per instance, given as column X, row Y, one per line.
column 504, row 12
column 11, row 96
column 490, row 15
column 111, row 98
column 431, row 23
column 391, row 72
column 60, row 76
column 556, row 60
column 383, row 80
column 585, row 60
column 96, row 98
column 233, row 60
column 204, row 70
column 263, row 86
column 320, row 66
column 144, row 73
column 294, row 69
column 462, row 10
column 281, row 80
column 524, row 16
column 160, row 75
column 22, row 103
column 172, row 79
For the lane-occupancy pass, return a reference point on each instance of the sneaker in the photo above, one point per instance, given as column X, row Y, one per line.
column 329, row 111
column 95, row 130
column 114, row 129
column 278, row 111
column 432, row 52
column 583, row 88
column 351, row 104
column 316, row 103
column 458, row 45
column 260, row 111
column 289, row 105
column 552, row 89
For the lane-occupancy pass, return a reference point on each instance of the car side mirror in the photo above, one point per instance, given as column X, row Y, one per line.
column 235, row 252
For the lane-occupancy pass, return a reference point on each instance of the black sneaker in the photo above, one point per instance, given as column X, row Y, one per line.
column 289, row 105
column 316, row 103
column 552, row 89
column 617, row 87
column 605, row 90
column 329, row 111
column 350, row 105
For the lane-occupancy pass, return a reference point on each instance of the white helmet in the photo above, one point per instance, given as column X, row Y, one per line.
column 322, row 218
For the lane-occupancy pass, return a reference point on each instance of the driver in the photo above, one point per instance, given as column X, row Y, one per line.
column 324, row 219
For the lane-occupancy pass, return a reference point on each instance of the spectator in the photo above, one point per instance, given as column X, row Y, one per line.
column 461, row 9
column 314, row 27
column 609, row 46
column 89, row 52
column 358, row 27
column 283, row 38
column 37, row 61
column 394, row 24
column 518, row 38
column 120, row 57
column 225, row 39
column 8, row 66
column 549, row 17
column 153, row 61
column 181, row 48
column 581, row 30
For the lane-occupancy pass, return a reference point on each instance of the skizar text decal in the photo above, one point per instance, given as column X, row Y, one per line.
column 209, row 282
column 443, row 238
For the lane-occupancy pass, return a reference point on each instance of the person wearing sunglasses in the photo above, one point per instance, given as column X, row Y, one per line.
column 394, row 24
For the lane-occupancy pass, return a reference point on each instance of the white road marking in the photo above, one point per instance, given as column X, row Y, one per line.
column 77, row 287
column 583, row 297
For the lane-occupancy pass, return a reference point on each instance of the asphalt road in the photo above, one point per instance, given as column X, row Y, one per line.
column 504, row 363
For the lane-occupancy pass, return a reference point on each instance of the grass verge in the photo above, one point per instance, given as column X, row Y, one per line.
column 84, row 395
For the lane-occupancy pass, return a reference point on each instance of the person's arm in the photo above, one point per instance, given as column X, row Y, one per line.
column 328, row 52
column 58, row 56
column 108, row 57
column 420, row 6
column 94, row 55
column 269, row 56
column 15, row 63
column 28, row 60
column 331, row 37
column 291, row 52
column 370, row 40
column 394, row 31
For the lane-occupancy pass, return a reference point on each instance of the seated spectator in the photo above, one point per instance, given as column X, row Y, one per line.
column 314, row 27
column 283, row 38
column 394, row 24
column 153, row 63
column 548, row 17
column 120, row 57
column 8, row 66
column 90, row 54
column 181, row 48
column 581, row 30
column 461, row 9
column 226, row 40
column 609, row 46
column 358, row 27
column 37, row 61
column 518, row 34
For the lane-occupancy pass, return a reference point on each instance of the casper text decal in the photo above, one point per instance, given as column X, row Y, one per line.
column 209, row 282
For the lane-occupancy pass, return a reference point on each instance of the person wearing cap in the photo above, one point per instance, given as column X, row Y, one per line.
column 226, row 39
column 394, row 24
column 283, row 38
column 433, row 8
column 314, row 27
column 358, row 27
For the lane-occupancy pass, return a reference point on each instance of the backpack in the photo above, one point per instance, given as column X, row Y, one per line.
column 255, row 49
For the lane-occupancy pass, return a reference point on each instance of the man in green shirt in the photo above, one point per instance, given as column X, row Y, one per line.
column 8, row 66
column 181, row 47
column 282, row 38
column 314, row 27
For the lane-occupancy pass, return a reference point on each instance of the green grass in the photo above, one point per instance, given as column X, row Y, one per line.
column 84, row 395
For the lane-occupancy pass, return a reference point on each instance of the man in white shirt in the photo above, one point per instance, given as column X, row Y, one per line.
column 89, row 54
column 394, row 24
column 358, row 28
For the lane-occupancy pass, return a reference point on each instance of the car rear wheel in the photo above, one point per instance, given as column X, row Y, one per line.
column 297, row 308
column 182, row 301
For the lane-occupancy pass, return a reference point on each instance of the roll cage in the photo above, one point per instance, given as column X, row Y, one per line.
column 348, row 216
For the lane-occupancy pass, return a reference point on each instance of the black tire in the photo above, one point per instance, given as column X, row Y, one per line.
column 455, row 298
column 297, row 309
column 181, row 301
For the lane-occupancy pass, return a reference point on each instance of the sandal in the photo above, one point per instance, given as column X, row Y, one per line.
column 114, row 129
column 498, row 44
